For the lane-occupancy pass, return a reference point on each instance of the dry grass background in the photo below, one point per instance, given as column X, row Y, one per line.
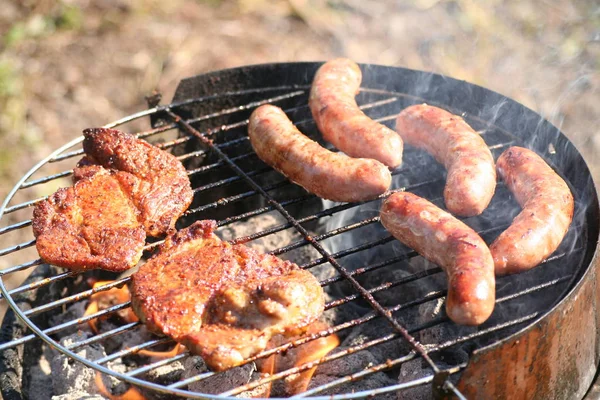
column 66, row 65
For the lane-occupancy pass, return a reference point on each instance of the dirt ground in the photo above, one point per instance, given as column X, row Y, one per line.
column 72, row 64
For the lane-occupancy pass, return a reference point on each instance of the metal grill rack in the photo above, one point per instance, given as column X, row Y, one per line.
column 243, row 172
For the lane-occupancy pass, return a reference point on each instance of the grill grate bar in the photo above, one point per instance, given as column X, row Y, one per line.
column 346, row 252
column 533, row 289
column 40, row 283
column 65, row 325
column 160, row 363
column 192, row 379
column 360, row 271
column 237, row 197
column 248, row 106
column 103, row 335
column 326, row 235
column 368, row 297
column 391, row 284
column 21, row 267
column 17, row 247
column 13, row 227
column 309, row 365
column 323, row 213
column 45, row 179
column 23, row 205
column 259, row 211
column 132, row 350
column 75, row 297
column 232, row 179
column 374, row 392
column 206, row 168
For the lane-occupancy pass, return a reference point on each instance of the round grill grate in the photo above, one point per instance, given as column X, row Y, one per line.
column 368, row 276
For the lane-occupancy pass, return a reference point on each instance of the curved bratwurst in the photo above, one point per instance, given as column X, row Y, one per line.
column 340, row 120
column 547, row 212
column 329, row 175
column 446, row 241
column 471, row 180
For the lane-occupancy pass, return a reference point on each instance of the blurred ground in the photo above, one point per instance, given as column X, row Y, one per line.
column 72, row 64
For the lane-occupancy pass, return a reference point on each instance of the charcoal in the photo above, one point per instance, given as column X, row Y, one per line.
column 163, row 375
column 40, row 382
column 166, row 374
column 73, row 312
column 416, row 369
column 348, row 364
column 258, row 224
column 374, row 381
column 375, row 329
column 69, row 375
column 126, row 339
column 72, row 376
column 411, row 371
column 78, row 395
column 220, row 382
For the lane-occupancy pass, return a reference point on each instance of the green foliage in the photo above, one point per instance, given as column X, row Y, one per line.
column 12, row 114
column 64, row 17
column 9, row 80
column 69, row 18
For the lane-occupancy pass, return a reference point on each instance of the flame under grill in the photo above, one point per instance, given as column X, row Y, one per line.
column 232, row 185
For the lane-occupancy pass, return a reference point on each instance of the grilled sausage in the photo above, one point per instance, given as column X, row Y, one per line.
column 340, row 120
column 547, row 212
column 471, row 177
column 329, row 175
column 456, row 248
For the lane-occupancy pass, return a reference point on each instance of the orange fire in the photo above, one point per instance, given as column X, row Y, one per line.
column 131, row 393
column 178, row 349
column 113, row 296
column 108, row 298
column 308, row 352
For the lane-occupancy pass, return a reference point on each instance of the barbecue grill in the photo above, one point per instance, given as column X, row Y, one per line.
column 541, row 342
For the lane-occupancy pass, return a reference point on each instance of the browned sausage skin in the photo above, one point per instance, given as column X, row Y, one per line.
column 456, row 248
column 340, row 120
column 329, row 175
column 547, row 212
column 471, row 180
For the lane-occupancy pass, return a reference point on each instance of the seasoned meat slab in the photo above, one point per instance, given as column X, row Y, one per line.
column 224, row 302
column 156, row 181
column 93, row 224
column 124, row 189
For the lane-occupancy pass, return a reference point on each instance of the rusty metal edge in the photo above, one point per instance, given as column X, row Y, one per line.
column 555, row 357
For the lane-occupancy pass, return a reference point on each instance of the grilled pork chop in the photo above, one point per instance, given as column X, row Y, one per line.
column 222, row 301
column 156, row 181
column 93, row 224
column 124, row 189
